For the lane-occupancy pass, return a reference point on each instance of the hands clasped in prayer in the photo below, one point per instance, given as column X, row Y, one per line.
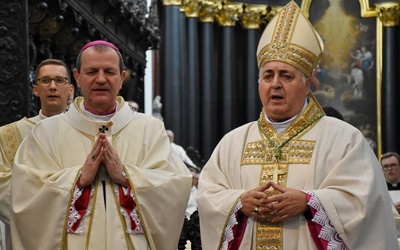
column 276, row 208
column 102, row 155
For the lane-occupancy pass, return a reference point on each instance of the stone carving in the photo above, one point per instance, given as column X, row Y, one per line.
column 157, row 107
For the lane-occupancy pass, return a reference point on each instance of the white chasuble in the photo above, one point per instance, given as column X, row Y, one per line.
column 47, row 166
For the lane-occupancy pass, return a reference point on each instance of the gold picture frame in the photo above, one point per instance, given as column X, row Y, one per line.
column 372, row 14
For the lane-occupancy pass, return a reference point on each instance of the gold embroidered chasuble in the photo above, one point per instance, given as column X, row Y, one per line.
column 275, row 152
column 329, row 158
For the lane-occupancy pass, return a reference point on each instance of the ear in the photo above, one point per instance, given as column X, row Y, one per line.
column 123, row 75
column 308, row 84
column 76, row 76
column 35, row 90
column 71, row 90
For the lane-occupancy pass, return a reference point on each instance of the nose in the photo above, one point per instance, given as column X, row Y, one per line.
column 53, row 84
column 100, row 78
column 275, row 83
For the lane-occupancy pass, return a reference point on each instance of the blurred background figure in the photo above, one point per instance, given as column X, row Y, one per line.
column 179, row 149
column 331, row 111
column 192, row 203
column 133, row 105
column 390, row 162
column 157, row 108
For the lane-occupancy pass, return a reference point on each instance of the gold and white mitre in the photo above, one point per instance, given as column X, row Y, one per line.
column 289, row 37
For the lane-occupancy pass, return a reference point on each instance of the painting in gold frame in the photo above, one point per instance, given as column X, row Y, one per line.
column 346, row 77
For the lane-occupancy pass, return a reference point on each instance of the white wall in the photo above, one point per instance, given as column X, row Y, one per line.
column 148, row 80
column 148, row 85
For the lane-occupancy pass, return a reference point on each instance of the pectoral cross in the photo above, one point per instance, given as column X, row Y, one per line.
column 280, row 176
column 103, row 129
column 278, row 172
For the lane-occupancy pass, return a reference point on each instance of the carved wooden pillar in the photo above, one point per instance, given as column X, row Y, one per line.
column 251, row 20
column 214, row 76
column 228, row 110
column 15, row 90
column 172, row 63
column 389, row 14
column 209, row 111
column 192, row 86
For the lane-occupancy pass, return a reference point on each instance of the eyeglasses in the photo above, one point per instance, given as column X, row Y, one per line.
column 59, row 80
column 391, row 166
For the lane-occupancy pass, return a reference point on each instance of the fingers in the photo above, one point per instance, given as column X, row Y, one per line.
column 95, row 153
column 271, row 215
column 109, row 154
column 266, row 214
column 277, row 187
column 256, row 209
column 264, row 187
column 279, row 203
column 253, row 200
column 112, row 163
column 102, row 149
column 110, row 158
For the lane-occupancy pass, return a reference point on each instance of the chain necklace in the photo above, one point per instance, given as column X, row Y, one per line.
column 277, row 149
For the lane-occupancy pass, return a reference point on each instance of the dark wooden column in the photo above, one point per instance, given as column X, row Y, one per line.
column 15, row 91
column 227, row 93
column 192, row 98
column 391, row 90
column 209, row 109
column 253, row 103
column 390, row 77
column 254, row 25
column 172, row 70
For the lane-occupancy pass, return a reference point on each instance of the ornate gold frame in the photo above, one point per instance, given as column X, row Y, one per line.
column 385, row 14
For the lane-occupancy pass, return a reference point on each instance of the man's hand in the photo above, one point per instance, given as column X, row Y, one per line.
column 113, row 165
column 289, row 203
column 92, row 163
column 251, row 201
column 102, row 155
column 397, row 206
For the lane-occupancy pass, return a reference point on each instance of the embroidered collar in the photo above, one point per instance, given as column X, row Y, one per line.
column 312, row 113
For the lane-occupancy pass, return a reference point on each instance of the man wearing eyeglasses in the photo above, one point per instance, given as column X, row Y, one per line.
column 390, row 162
column 53, row 87
column 390, row 165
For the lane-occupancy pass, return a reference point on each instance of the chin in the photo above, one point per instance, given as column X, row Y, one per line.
column 276, row 114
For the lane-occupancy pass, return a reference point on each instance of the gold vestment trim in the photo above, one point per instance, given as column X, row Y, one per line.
column 10, row 139
column 281, row 47
column 295, row 151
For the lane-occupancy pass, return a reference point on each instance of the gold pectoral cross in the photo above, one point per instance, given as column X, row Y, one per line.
column 279, row 174
column 275, row 170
